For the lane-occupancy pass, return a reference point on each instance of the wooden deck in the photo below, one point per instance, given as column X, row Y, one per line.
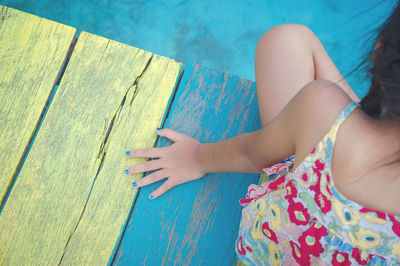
column 70, row 108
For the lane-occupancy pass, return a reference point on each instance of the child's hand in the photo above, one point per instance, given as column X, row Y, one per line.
column 178, row 162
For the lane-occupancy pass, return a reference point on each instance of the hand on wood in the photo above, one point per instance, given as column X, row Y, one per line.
column 178, row 162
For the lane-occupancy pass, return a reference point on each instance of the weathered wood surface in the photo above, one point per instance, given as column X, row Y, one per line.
column 32, row 53
column 197, row 222
column 71, row 198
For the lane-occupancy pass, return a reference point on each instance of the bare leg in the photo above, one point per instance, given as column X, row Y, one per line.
column 288, row 57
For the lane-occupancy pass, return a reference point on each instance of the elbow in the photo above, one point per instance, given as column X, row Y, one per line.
column 249, row 157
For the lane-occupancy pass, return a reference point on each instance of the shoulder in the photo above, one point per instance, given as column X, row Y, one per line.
column 322, row 96
column 300, row 125
column 313, row 111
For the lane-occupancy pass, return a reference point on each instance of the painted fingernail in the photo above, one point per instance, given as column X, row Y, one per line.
column 151, row 196
column 134, row 184
column 158, row 129
column 128, row 153
column 126, row 171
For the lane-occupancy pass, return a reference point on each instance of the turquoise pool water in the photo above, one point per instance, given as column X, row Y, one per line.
column 224, row 33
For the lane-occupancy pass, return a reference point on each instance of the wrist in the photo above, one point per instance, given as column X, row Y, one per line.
column 201, row 157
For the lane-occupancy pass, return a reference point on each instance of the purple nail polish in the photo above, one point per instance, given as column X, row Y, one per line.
column 126, row 171
column 128, row 153
column 134, row 184
column 151, row 196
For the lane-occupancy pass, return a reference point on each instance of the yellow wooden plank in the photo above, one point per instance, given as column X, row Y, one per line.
column 32, row 52
column 111, row 98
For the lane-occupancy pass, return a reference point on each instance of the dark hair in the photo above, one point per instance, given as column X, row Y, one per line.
column 383, row 98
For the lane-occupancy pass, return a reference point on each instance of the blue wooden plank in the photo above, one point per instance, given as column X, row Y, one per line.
column 196, row 222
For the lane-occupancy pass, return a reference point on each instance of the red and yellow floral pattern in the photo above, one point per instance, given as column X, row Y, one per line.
column 301, row 218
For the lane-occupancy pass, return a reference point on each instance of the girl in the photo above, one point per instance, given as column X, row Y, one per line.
column 335, row 201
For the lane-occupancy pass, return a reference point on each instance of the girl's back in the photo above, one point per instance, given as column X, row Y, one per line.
column 366, row 155
column 366, row 162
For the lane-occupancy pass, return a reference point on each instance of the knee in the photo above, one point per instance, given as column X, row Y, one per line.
column 289, row 31
column 293, row 34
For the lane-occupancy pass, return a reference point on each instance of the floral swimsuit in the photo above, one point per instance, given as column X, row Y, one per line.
column 301, row 218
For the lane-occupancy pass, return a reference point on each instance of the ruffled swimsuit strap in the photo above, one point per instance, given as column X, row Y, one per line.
column 276, row 175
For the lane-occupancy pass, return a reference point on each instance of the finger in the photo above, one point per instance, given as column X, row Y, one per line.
column 147, row 180
column 162, row 189
column 170, row 134
column 146, row 153
column 143, row 167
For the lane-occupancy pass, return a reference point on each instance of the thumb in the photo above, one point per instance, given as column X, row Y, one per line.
column 170, row 134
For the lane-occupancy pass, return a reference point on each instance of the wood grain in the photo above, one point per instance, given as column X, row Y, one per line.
column 32, row 53
column 72, row 198
column 196, row 223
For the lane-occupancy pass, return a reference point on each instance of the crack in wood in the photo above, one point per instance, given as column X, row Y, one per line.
column 104, row 145
column 83, row 210
column 102, row 55
column 136, row 82
column 135, row 87
column 4, row 16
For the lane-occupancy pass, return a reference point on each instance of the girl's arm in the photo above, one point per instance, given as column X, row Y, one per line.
column 186, row 159
column 250, row 152
column 303, row 120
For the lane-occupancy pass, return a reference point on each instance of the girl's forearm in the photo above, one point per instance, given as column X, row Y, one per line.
column 230, row 155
